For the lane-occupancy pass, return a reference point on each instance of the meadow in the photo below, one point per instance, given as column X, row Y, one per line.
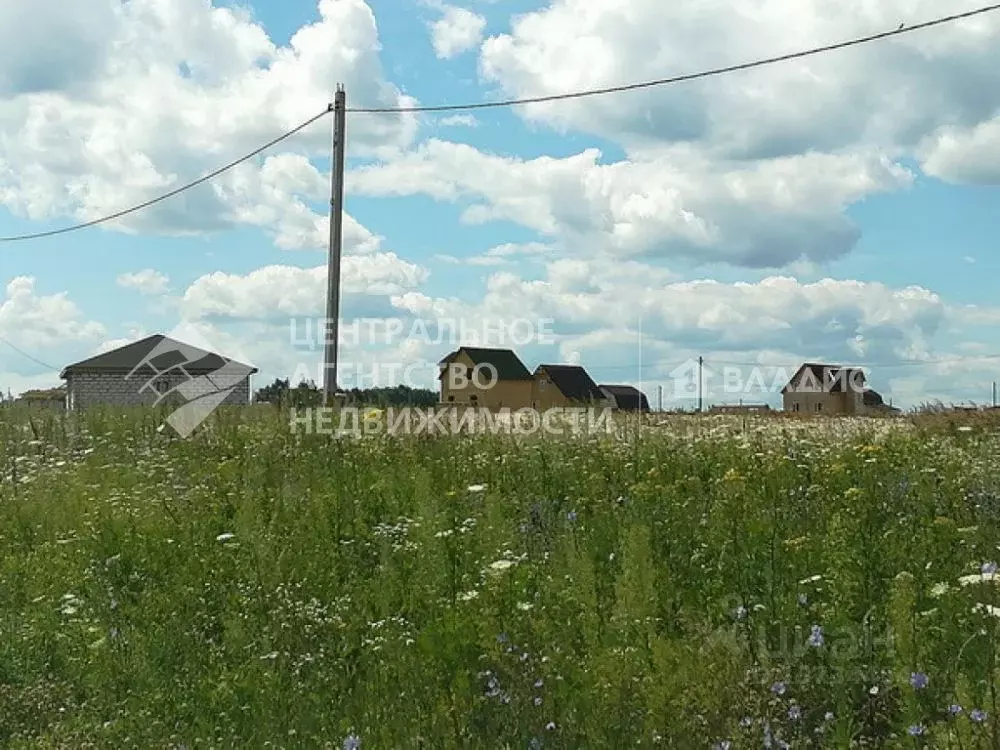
column 705, row 582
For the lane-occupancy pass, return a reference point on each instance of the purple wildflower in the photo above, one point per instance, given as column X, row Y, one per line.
column 352, row 742
column 794, row 713
column 989, row 568
column 977, row 715
column 778, row 688
column 915, row 730
column 954, row 709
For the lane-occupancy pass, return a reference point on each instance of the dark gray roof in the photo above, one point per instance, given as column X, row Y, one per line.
column 572, row 381
column 506, row 363
column 824, row 377
column 171, row 353
column 627, row 397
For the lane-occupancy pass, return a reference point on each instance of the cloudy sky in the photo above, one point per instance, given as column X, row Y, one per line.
column 841, row 208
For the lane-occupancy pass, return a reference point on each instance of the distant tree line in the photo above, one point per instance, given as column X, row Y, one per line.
column 307, row 393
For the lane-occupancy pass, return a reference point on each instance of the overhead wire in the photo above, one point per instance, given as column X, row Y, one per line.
column 176, row 191
column 904, row 29
column 685, row 77
column 26, row 355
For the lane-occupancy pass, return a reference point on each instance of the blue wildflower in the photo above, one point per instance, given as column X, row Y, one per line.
column 954, row 709
column 794, row 713
column 977, row 715
column 803, row 599
column 918, row 680
column 778, row 688
column 352, row 742
column 571, row 516
column 816, row 636
column 989, row 568
column 915, row 730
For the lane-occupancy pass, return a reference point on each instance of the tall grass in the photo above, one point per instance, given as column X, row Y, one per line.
column 705, row 581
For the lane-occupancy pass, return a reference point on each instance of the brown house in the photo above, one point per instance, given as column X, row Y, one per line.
column 565, row 386
column 625, row 397
column 488, row 378
column 825, row 389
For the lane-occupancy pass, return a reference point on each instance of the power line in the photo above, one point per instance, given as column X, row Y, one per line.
column 512, row 102
column 172, row 193
column 26, row 355
column 686, row 77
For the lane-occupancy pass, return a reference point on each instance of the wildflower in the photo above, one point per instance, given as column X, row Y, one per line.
column 571, row 516
column 915, row 730
column 740, row 612
column 476, row 487
column 778, row 688
column 746, row 722
column 977, row 715
column 538, row 700
column 873, row 690
column 501, row 565
column 989, row 568
column 918, row 680
column 803, row 600
column 538, row 682
column 816, row 636
column 550, row 726
column 225, row 537
column 352, row 742
column 828, row 716
column 724, row 745
column 954, row 709
column 794, row 713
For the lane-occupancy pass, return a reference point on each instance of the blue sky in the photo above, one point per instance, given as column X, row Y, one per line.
column 838, row 208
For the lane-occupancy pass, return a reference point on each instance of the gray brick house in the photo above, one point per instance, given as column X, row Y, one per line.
column 155, row 370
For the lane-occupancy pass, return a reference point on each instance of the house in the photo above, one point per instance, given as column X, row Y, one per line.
column 489, row 378
column 825, row 389
column 875, row 404
column 565, row 386
column 52, row 398
column 156, row 368
column 625, row 397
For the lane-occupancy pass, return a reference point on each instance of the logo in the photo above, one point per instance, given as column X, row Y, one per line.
column 185, row 369
column 686, row 380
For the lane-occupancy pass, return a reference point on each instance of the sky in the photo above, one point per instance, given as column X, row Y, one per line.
column 838, row 208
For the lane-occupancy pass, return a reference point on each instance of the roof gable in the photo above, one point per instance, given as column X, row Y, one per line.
column 572, row 381
column 504, row 361
column 171, row 354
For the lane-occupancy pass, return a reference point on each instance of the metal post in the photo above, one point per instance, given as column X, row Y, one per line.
column 332, row 332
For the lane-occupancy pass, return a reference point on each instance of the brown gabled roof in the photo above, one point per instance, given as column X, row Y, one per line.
column 504, row 361
column 572, row 381
column 173, row 353
column 627, row 397
column 824, row 378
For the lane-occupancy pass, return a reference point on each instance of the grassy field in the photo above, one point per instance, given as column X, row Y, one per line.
column 702, row 582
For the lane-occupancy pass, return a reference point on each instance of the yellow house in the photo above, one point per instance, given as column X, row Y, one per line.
column 488, row 378
column 825, row 389
column 566, row 386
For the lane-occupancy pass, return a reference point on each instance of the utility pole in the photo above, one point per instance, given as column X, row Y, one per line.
column 701, row 363
column 332, row 328
column 994, row 394
column 659, row 398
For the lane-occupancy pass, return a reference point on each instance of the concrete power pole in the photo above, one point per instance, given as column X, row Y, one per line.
column 701, row 364
column 332, row 328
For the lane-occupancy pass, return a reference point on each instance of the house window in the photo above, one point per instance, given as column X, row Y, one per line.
column 819, row 407
column 795, row 406
column 474, row 398
column 451, row 398
column 161, row 386
column 541, row 384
